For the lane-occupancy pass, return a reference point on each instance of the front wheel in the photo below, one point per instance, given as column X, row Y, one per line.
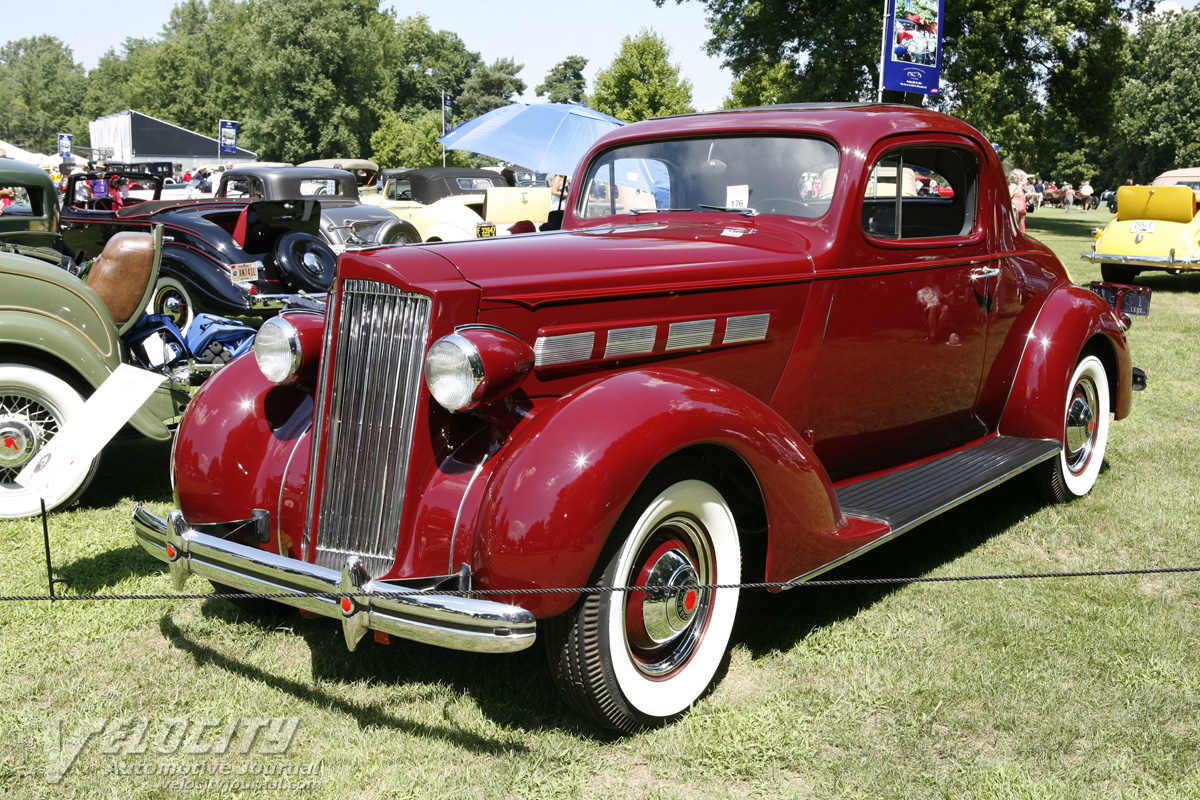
column 630, row 660
column 34, row 406
column 403, row 232
column 1085, row 434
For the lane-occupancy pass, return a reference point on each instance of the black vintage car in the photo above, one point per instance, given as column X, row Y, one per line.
column 232, row 256
column 345, row 221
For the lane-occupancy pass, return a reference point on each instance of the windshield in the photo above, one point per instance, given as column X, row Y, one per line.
column 785, row 175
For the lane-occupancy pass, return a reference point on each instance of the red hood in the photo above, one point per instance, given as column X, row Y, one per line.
column 633, row 258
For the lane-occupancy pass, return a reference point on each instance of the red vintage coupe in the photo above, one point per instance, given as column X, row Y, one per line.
column 716, row 372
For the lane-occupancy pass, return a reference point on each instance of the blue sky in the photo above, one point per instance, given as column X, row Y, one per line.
column 536, row 33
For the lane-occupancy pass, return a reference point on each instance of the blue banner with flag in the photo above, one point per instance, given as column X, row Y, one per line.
column 228, row 129
column 64, row 146
column 912, row 57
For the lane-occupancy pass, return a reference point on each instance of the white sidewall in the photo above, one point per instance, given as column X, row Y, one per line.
column 64, row 403
column 164, row 283
column 1081, row 483
column 667, row 697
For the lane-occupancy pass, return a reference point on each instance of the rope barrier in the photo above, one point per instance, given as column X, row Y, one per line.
column 606, row 589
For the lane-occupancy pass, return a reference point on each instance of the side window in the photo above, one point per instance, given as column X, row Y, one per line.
column 17, row 200
column 921, row 193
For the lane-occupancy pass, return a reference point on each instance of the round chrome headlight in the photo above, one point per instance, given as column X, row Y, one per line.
column 277, row 350
column 453, row 372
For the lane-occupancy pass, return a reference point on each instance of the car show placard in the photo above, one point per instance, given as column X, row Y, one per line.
column 912, row 53
column 84, row 436
column 227, row 135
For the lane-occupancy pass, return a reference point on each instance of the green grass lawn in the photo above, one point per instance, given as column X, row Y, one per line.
column 1017, row 689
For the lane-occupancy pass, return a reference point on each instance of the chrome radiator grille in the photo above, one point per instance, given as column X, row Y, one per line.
column 373, row 395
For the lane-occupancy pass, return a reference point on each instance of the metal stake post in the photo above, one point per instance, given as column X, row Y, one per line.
column 50, row 579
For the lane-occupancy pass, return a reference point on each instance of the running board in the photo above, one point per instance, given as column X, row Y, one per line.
column 910, row 496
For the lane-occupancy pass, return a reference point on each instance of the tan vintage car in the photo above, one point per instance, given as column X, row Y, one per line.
column 449, row 204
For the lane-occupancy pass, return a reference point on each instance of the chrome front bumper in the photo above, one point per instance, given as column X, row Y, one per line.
column 461, row 623
column 1171, row 261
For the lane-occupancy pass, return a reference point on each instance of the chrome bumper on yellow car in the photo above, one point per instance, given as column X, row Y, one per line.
column 460, row 623
column 1171, row 261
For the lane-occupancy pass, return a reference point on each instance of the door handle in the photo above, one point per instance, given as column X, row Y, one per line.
column 985, row 273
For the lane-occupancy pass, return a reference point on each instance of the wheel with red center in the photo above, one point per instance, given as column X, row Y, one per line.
column 34, row 407
column 641, row 656
column 1085, row 433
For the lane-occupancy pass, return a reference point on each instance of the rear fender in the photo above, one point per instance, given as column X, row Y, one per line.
column 208, row 280
column 1073, row 319
column 559, row 485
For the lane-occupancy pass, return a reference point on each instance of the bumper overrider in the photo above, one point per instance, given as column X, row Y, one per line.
column 460, row 623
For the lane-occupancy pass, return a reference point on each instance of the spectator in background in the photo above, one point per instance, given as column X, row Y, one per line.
column 1039, row 192
column 1085, row 196
column 1068, row 197
column 187, row 176
column 1016, row 193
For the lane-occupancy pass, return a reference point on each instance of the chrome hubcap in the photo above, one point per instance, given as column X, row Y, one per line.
column 25, row 426
column 1081, row 424
column 666, row 617
column 172, row 306
column 312, row 263
column 18, row 443
column 669, row 603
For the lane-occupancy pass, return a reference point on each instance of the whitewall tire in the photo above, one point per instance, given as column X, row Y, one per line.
column 34, row 406
column 631, row 660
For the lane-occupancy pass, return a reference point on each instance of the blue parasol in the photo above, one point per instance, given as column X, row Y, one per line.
column 543, row 137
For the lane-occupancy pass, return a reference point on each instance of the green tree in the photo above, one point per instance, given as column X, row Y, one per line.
column 1159, row 128
column 108, row 84
column 42, row 91
column 1036, row 76
column 490, row 86
column 763, row 83
column 422, row 63
column 412, row 141
column 641, row 82
column 316, row 68
column 565, row 82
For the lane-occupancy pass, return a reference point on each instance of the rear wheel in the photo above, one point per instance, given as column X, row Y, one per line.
column 172, row 299
column 629, row 660
column 34, row 407
column 1117, row 273
column 1085, row 434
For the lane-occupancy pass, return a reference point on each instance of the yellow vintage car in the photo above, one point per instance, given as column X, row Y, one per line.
column 448, row 204
column 1156, row 228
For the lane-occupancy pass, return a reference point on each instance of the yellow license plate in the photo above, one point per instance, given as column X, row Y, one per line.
column 485, row 229
column 244, row 272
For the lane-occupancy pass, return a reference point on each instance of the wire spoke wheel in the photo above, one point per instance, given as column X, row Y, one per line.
column 34, row 407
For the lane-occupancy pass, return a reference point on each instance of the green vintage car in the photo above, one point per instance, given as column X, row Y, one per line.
column 60, row 337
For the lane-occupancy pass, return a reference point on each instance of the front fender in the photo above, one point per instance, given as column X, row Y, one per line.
column 234, row 447
column 1071, row 320
column 559, row 485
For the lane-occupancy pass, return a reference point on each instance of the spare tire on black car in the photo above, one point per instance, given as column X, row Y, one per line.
column 304, row 262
